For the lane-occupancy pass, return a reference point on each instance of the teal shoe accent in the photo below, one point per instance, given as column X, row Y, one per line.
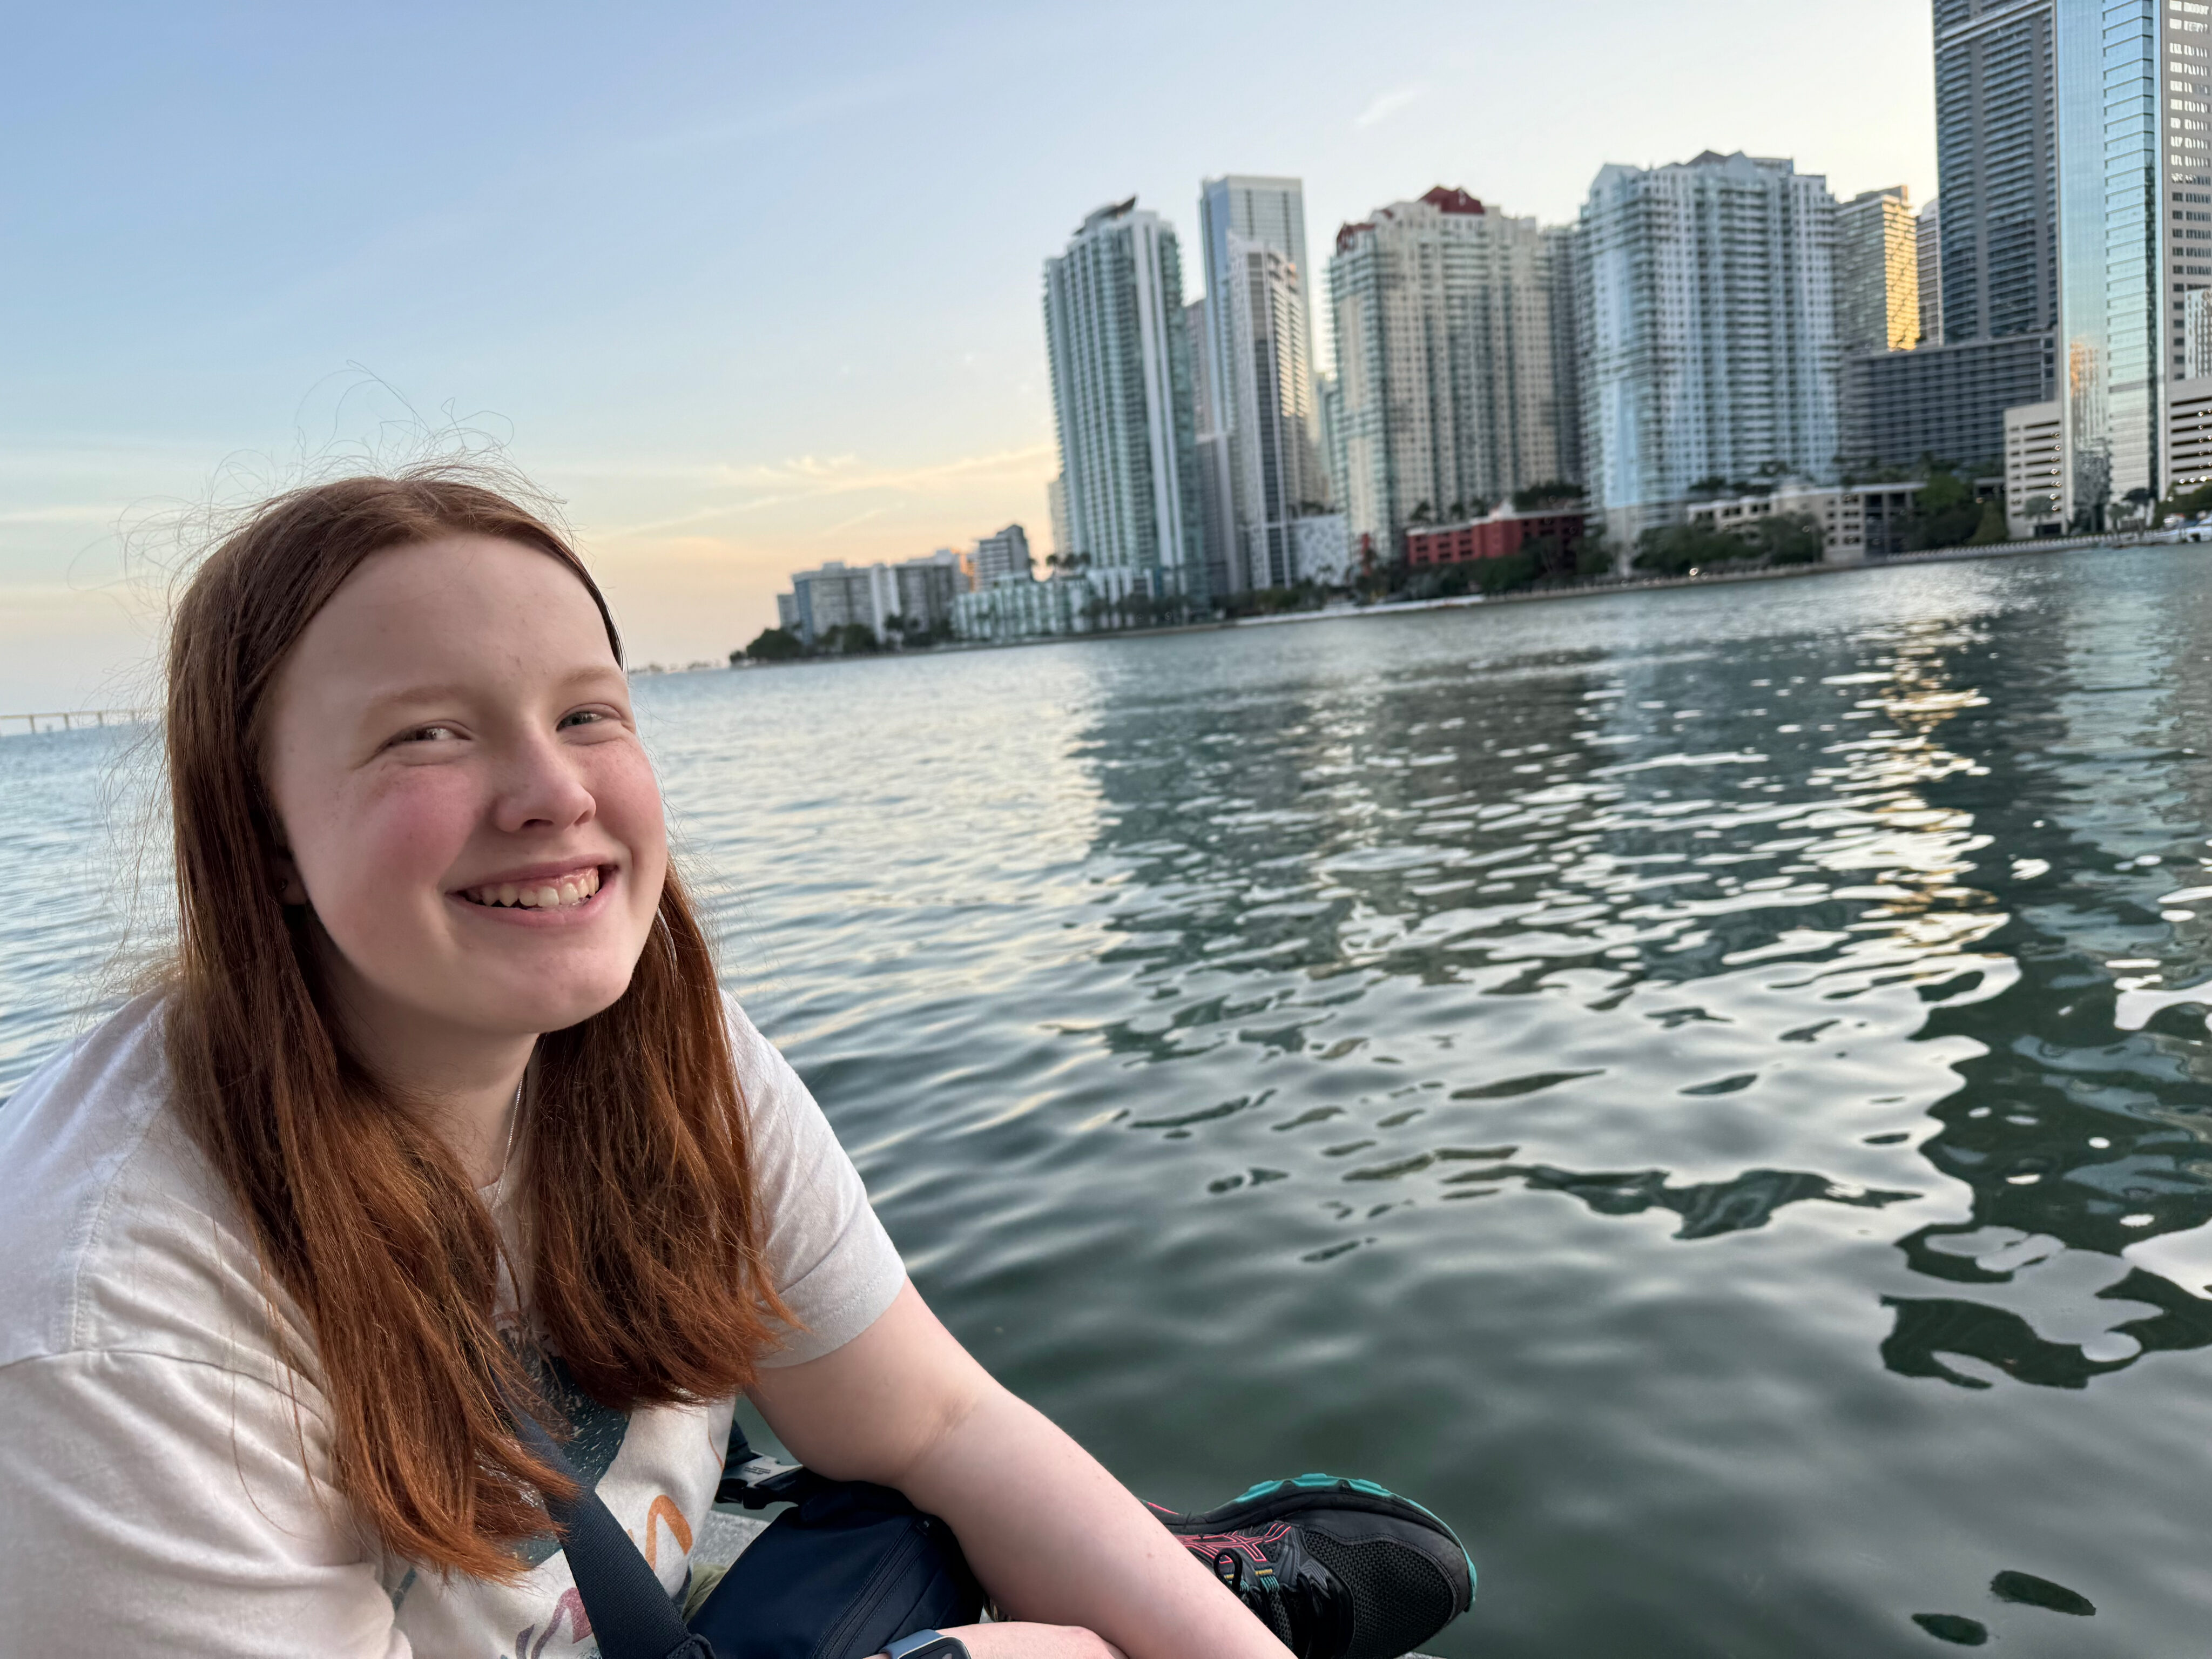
column 1314, row 1481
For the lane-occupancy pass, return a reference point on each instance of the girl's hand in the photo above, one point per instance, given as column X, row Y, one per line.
column 1019, row 1641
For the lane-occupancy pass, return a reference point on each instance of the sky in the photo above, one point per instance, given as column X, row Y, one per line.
column 744, row 287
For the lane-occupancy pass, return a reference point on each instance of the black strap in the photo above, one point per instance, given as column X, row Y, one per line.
column 632, row 1616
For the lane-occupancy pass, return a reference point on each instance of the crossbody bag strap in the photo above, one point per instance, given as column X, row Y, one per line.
column 632, row 1616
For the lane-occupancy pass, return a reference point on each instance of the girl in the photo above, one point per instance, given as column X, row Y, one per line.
column 440, row 1130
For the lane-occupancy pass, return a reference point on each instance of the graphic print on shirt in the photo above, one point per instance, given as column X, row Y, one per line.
column 570, row 1607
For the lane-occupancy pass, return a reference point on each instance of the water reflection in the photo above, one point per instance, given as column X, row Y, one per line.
column 1821, row 919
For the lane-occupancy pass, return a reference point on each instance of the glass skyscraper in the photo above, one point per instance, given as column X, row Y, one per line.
column 1997, row 155
column 2135, row 144
column 1255, row 410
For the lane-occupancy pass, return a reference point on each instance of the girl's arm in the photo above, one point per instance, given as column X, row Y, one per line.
column 1053, row 1537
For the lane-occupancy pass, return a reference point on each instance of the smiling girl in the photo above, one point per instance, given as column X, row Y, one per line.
column 440, row 1128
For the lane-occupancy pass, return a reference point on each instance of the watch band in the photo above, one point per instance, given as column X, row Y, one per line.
column 927, row 1645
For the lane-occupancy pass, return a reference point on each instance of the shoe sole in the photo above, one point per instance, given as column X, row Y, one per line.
column 1275, row 1500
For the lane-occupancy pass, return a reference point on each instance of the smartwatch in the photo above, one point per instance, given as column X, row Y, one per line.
column 927, row 1645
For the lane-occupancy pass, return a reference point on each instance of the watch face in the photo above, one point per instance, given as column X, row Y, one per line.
column 935, row 1647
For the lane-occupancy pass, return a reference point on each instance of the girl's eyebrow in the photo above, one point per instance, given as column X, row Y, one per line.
column 400, row 699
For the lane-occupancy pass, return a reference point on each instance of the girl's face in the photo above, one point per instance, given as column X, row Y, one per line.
column 464, row 799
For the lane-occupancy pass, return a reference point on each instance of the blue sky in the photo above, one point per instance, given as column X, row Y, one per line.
column 747, row 287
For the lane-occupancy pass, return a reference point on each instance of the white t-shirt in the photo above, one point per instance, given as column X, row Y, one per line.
column 152, row 1499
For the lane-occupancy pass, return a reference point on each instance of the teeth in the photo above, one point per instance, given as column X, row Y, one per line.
column 543, row 895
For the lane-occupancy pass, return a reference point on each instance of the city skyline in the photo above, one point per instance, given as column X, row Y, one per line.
column 606, row 279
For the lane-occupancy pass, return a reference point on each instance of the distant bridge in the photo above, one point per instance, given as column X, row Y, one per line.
column 69, row 719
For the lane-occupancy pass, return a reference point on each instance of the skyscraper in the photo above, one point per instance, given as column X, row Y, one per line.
column 2135, row 110
column 1216, row 491
column 1877, row 272
column 1444, row 363
column 1119, row 355
column 1707, row 287
column 1928, row 235
column 1563, row 248
column 1257, row 380
column 1275, row 464
column 1996, row 149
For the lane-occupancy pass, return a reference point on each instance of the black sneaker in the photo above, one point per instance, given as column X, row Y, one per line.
column 1337, row 1569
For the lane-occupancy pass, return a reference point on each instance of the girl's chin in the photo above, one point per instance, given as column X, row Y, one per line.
column 502, row 1003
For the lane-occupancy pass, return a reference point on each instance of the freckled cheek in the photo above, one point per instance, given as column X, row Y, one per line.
column 628, row 797
column 388, row 849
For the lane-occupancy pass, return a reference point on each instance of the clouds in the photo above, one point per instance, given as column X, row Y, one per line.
column 802, row 479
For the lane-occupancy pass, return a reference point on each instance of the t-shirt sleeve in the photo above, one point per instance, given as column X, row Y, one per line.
column 153, row 1505
column 832, row 1262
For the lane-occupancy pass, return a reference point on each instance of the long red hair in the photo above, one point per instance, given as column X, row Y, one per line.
column 645, row 1243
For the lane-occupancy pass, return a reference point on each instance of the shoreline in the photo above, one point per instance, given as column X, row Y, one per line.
column 1473, row 601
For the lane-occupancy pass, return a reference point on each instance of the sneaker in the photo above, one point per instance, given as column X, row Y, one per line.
column 1337, row 1569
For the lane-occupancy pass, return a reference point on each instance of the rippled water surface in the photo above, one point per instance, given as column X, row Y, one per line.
column 1704, row 1089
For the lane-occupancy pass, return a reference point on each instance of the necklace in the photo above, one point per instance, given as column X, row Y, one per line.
column 506, row 1156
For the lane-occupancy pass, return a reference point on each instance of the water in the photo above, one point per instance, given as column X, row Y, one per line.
column 1701, row 1088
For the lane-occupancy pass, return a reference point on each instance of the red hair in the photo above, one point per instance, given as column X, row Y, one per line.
column 645, row 1245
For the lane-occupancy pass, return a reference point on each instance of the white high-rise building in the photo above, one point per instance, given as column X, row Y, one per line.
column 1119, row 355
column 1709, row 290
column 1055, row 501
column 1256, row 383
column 1445, row 364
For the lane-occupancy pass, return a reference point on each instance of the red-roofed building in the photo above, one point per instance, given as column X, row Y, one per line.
column 1450, row 198
column 1499, row 536
column 1457, row 377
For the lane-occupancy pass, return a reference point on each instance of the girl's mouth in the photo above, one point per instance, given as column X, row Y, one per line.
column 561, row 892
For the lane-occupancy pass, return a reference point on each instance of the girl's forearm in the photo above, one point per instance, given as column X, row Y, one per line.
column 1056, row 1539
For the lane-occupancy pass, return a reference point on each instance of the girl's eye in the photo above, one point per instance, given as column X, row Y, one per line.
column 429, row 734
column 581, row 717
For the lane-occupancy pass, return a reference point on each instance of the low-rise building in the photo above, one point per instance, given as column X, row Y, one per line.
column 890, row 601
column 2188, row 435
column 1899, row 408
column 837, row 596
column 1856, row 521
column 1007, row 554
column 2035, row 470
column 1321, row 549
column 1499, row 536
column 927, row 588
column 1017, row 608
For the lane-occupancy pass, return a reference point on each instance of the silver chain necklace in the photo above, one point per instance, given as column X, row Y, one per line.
column 513, row 1117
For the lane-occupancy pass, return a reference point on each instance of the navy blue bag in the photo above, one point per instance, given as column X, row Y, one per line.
column 848, row 1569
